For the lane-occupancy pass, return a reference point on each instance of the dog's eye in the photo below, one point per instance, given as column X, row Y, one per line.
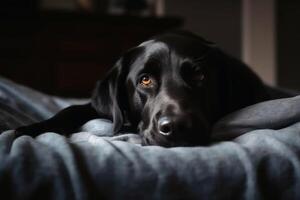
column 146, row 81
column 198, row 77
column 198, row 74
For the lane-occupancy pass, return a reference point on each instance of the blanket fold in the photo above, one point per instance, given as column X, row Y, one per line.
column 262, row 164
column 259, row 160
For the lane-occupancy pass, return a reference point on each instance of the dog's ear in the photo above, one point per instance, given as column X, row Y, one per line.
column 110, row 97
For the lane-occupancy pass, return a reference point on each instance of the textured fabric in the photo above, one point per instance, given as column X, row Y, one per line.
column 274, row 114
column 261, row 160
column 20, row 105
column 262, row 164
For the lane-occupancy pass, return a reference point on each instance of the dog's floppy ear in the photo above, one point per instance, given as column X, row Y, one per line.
column 110, row 97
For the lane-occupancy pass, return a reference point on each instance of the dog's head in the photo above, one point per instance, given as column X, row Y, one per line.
column 173, row 88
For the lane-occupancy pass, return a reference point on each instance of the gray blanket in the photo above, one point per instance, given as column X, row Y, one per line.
column 259, row 160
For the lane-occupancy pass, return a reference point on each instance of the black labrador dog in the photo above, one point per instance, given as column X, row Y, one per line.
column 170, row 89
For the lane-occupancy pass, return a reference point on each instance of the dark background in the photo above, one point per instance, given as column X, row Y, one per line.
column 61, row 48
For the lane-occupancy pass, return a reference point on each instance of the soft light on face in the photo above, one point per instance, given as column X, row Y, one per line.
column 165, row 94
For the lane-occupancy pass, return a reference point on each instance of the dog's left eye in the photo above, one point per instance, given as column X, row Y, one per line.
column 198, row 74
column 198, row 77
column 146, row 81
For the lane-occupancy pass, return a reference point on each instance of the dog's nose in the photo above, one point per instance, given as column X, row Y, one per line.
column 165, row 126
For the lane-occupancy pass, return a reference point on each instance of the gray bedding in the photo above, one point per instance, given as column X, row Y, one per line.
column 256, row 156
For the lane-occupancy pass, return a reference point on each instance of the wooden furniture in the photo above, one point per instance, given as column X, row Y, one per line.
column 65, row 53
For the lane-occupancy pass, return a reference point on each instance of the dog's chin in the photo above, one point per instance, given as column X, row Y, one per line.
column 150, row 142
column 151, row 138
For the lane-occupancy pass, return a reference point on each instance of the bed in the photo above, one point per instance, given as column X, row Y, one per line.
column 256, row 155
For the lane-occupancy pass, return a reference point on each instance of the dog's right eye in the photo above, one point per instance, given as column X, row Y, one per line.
column 146, row 81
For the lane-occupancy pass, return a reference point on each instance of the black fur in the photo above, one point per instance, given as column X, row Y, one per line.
column 194, row 84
